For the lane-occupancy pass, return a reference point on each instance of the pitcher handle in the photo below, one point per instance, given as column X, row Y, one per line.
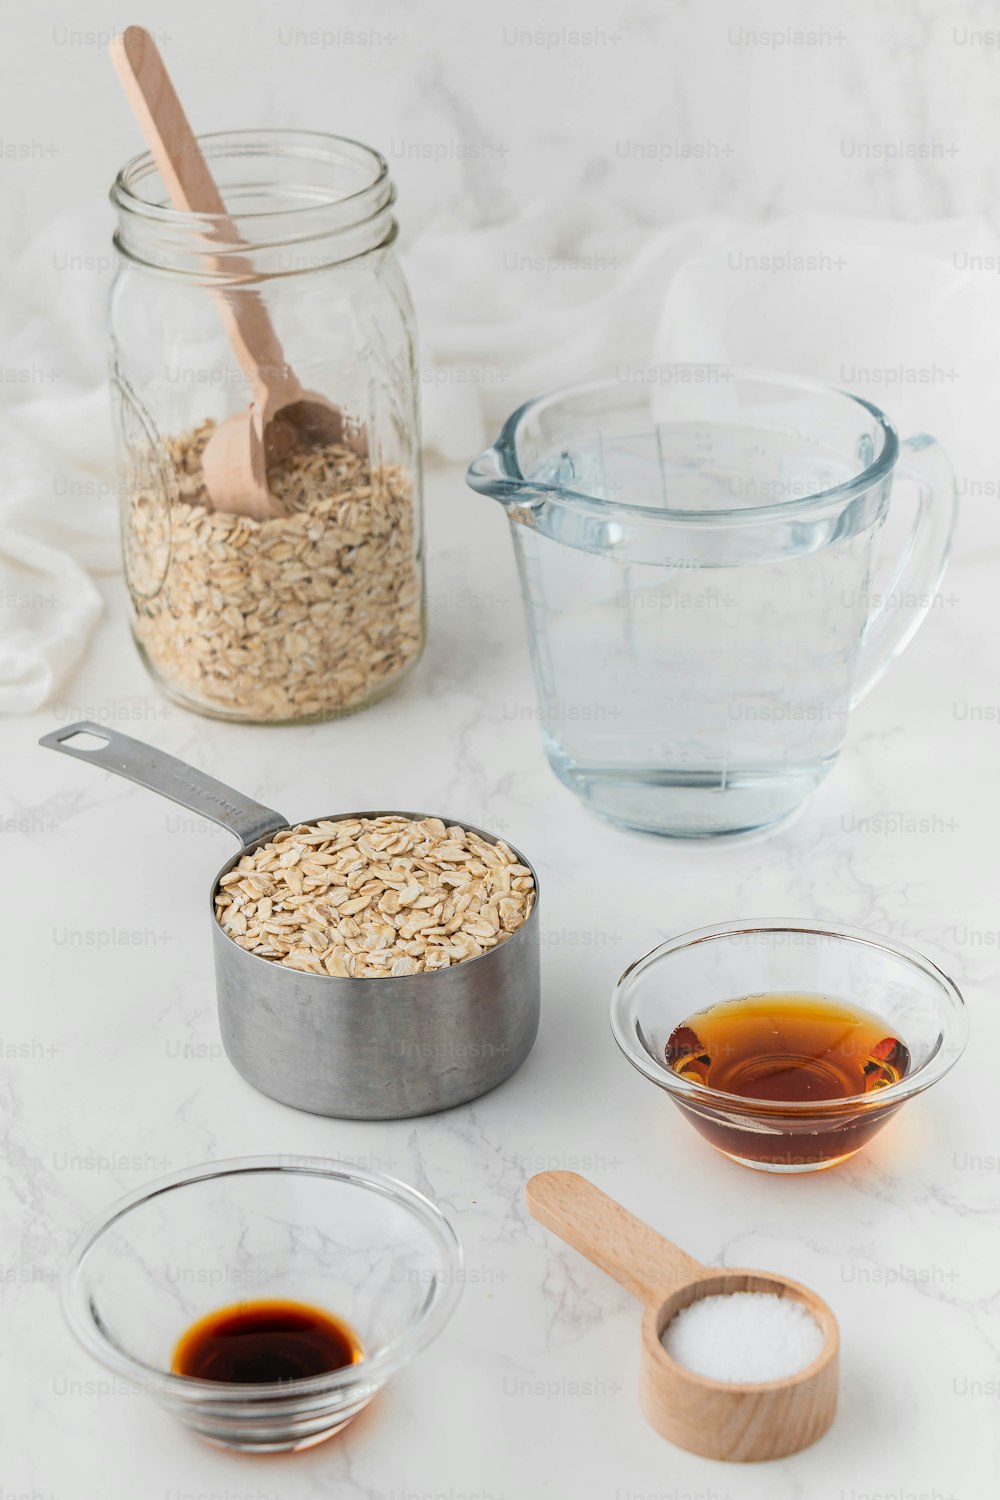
column 891, row 628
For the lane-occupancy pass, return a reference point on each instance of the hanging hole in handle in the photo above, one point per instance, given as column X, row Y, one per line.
column 82, row 739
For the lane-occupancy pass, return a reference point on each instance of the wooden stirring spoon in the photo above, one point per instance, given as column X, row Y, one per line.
column 234, row 462
column 716, row 1418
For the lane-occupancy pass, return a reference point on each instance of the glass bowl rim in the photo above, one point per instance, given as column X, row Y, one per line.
column 436, row 1310
column 952, row 1009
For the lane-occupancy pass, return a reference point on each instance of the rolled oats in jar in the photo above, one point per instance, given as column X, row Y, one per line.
column 316, row 609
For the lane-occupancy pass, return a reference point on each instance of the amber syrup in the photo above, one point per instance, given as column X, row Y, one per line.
column 794, row 1049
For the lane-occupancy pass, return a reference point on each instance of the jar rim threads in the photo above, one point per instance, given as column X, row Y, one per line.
column 298, row 199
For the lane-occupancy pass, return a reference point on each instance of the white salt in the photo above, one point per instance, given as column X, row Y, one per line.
column 743, row 1336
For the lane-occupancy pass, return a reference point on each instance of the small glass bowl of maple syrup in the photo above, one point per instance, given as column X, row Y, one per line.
column 788, row 1045
column 264, row 1300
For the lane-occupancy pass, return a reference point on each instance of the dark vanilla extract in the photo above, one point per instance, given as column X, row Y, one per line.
column 259, row 1343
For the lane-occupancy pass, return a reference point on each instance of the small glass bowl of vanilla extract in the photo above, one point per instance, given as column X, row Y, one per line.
column 264, row 1300
column 788, row 1045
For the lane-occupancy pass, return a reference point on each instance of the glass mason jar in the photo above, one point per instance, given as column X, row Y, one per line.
column 317, row 609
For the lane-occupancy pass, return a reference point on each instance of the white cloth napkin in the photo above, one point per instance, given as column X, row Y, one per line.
column 904, row 314
column 57, row 514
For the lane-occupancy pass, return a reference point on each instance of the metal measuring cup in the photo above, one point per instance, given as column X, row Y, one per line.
column 357, row 1049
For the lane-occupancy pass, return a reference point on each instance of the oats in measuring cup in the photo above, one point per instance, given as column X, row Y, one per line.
column 365, row 898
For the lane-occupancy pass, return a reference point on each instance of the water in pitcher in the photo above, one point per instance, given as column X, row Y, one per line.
column 665, row 684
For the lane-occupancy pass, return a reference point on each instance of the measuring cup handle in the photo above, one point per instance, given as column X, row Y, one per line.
column 607, row 1234
column 890, row 627
column 171, row 777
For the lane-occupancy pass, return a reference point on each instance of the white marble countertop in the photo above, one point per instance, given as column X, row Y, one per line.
column 112, row 1074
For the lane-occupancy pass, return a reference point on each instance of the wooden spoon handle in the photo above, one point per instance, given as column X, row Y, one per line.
column 607, row 1234
column 192, row 188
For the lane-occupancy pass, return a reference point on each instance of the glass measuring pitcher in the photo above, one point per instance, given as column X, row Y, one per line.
column 696, row 553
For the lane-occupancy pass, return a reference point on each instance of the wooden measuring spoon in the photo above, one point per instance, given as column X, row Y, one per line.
column 234, row 462
column 713, row 1417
